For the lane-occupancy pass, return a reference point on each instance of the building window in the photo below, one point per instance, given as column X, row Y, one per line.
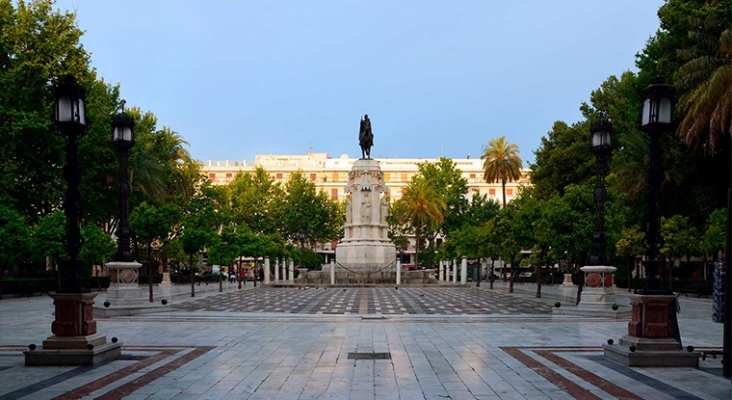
column 279, row 176
column 228, row 176
column 212, row 176
column 334, row 194
column 491, row 192
column 387, row 176
column 404, row 178
column 509, row 192
column 312, row 177
column 335, row 177
column 472, row 176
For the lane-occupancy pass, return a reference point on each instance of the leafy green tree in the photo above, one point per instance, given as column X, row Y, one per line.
column 97, row 248
column 49, row 236
column 705, row 82
column 152, row 225
column 398, row 230
column 305, row 209
column 253, row 201
column 421, row 207
column 715, row 234
column 680, row 239
column 15, row 238
column 563, row 158
column 629, row 246
column 450, row 185
column 501, row 163
column 39, row 45
column 195, row 238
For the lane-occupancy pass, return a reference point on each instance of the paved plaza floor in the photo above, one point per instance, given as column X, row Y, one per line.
column 290, row 343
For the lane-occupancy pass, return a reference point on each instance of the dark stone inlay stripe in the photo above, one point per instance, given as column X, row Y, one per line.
column 25, row 391
column 572, row 389
column 133, row 385
column 128, row 357
column 588, row 376
column 4, row 368
column 676, row 393
column 115, row 376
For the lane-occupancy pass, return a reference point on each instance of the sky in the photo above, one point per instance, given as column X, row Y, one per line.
column 239, row 78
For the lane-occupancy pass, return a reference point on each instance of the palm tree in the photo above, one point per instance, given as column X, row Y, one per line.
column 705, row 81
column 421, row 207
column 501, row 163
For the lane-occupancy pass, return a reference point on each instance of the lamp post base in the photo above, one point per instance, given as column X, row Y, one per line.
column 652, row 340
column 75, row 340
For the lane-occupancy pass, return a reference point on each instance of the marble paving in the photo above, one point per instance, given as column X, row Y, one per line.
column 268, row 343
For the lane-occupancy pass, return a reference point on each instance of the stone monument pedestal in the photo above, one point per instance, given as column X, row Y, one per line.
column 598, row 295
column 567, row 280
column 650, row 341
column 366, row 247
column 75, row 340
column 125, row 296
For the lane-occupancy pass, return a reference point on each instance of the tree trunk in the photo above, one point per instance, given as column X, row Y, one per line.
column 581, row 285
column 416, row 246
column 149, row 271
column 193, row 276
column 238, row 272
column 503, row 187
column 538, row 273
column 510, row 283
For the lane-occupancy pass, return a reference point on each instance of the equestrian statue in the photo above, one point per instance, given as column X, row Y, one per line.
column 365, row 137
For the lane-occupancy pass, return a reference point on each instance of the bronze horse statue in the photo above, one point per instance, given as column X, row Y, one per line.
column 365, row 137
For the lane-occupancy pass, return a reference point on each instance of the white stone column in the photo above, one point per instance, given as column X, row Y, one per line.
column 442, row 271
column 277, row 270
column 454, row 270
column 291, row 271
column 332, row 272
column 399, row 272
column 266, row 270
column 464, row 271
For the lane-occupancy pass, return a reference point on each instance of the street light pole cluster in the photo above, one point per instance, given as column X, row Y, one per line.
column 123, row 127
column 601, row 146
column 70, row 118
column 656, row 118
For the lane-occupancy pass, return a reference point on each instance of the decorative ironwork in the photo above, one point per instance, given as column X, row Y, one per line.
column 600, row 145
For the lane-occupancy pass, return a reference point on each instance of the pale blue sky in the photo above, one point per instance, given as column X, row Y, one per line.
column 238, row 78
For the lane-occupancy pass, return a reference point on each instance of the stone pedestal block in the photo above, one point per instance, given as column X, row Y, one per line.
column 366, row 247
column 650, row 341
column 567, row 280
column 75, row 340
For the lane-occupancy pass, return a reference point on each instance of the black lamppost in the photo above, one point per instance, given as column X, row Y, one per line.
column 600, row 145
column 301, row 235
column 70, row 118
column 123, row 127
column 656, row 117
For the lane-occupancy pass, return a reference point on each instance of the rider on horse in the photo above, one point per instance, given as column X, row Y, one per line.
column 365, row 137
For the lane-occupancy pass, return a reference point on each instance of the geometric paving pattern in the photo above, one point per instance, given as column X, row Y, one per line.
column 388, row 301
column 138, row 367
column 561, row 372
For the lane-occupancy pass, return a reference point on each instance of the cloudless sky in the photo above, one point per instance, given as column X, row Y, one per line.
column 238, row 78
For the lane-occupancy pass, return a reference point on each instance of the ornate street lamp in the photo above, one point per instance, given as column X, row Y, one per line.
column 123, row 138
column 601, row 132
column 656, row 117
column 69, row 116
